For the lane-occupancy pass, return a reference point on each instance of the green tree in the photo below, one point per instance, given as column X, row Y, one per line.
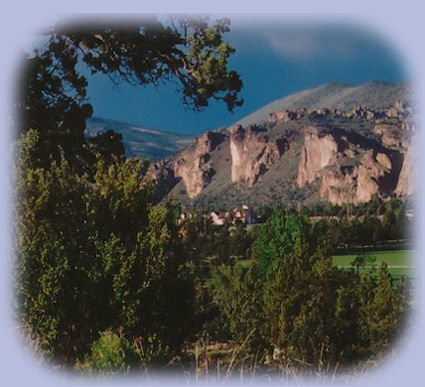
column 94, row 250
column 387, row 311
column 280, row 236
column 312, row 315
column 52, row 94
column 284, row 294
column 240, row 241
column 236, row 291
column 94, row 255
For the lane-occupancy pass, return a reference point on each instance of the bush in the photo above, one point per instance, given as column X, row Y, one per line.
column 110, row 354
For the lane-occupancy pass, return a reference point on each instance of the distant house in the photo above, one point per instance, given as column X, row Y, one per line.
column 244, row 215
column 184, row 216
column 218, row 219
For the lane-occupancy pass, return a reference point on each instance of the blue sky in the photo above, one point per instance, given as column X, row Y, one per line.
column 275, row 57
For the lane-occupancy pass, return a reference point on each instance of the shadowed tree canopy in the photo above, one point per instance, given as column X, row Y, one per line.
column 189, row 51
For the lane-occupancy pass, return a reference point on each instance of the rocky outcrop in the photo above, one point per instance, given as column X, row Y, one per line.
column 317, row 153
column 348, row 173
column 194, row 164
column 356, row 184
column 286, row 115
column 407, row 178
column 252, row 153
column 395, row 135
column 342, row 153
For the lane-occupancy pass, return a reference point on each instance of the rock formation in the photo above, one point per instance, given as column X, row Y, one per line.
column 194, row 163
column 252, row 153
column 406, row 180
column 348, row 173
column 301, row 153
column 317, row 153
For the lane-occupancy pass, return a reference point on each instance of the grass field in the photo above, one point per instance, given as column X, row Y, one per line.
column 400, row 262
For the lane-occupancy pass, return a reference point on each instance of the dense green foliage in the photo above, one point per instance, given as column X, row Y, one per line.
column 349, row 225
column 109, row 355
column 281, row 236
column 98, row 254
column 307, row 313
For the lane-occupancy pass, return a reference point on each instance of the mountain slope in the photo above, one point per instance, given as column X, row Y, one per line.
column 303, row 153
column 138, row 141
column 374, row 95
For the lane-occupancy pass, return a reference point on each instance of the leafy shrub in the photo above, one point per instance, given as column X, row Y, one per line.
column 110, row 354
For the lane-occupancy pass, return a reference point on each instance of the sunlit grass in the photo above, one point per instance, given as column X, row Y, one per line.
column 400, row 262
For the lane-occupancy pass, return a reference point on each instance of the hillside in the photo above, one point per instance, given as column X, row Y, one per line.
column 335, row 143
column 375, row 95
column 138, row 141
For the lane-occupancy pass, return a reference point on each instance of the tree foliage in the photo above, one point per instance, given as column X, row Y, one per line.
column 281, row 236
column 94, row 255
column 307, row 313
column 110, row 355
column 52, row 95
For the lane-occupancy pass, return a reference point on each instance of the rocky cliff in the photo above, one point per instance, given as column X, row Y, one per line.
column 318, row 152
column 298, row 154
column 407, row 178
column 253, row 152
column 348, row 172
column 195, row 166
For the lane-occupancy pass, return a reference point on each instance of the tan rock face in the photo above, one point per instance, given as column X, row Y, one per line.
column 194, row 164
column 317, row 153
column 407, row 177
column 338, row 187
column 355, row 185
column 252, row 153
column 347, row 172
column 391, row 136
column 383, row 160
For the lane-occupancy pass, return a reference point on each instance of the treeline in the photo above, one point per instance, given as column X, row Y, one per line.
column 375, row 206
column 370, row 232
column 378, row 223
column 348, row 234
column 367, row 223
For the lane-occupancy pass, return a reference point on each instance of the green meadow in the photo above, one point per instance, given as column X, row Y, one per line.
column 400, row 262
